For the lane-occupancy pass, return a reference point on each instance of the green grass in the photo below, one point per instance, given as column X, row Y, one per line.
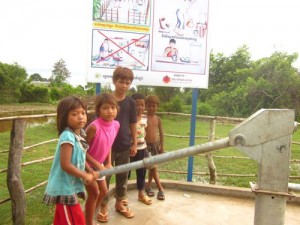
column 31, row 175
column 38, row 213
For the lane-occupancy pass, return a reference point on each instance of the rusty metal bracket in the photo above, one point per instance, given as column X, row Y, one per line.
column 256, row 190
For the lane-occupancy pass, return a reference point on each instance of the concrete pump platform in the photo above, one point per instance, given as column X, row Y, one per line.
column 193, row 203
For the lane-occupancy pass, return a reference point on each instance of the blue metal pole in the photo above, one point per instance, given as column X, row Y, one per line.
column 98, row 88
column 192, row 133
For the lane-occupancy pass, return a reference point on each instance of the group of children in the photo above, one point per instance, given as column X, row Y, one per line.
column 120, row 134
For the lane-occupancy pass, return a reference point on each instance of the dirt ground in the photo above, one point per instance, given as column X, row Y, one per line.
column 22, row 108
column 34, row 108
column 8, row 110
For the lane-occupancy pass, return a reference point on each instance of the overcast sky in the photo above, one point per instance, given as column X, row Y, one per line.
column 37, row 33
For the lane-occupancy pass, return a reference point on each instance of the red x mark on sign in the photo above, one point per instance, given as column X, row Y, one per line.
column 121, row 48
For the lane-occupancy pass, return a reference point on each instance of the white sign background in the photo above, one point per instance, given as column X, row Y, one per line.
column 163, row 42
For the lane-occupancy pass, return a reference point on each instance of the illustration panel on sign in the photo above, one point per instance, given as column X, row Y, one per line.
column 120, row 11
column 179, row 36
column 112, row 48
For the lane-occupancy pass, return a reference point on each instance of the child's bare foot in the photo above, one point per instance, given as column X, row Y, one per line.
column 125, row 202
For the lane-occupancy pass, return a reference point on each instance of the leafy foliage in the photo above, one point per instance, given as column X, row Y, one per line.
column 11, row 79
column 96, row 8
column 30, row 93
column 239, row 86
column 175, row 105
column 165, row 94
column 65, row 90
column 60, row 73
column 36, row 77
column 276, row 79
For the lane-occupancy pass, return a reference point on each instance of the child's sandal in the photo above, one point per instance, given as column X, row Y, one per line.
column 160, row 195
column 103, row 218
column 149, row 192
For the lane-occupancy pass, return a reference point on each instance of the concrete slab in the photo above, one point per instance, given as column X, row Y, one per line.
column 189, row 203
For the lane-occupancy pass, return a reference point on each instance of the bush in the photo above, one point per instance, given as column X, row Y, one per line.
column 57, row 93
column 175, row 105
column 205, row 109
column 9, row 95
column 31, row 93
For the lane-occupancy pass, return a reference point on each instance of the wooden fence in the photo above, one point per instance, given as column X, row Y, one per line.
column 14, row 182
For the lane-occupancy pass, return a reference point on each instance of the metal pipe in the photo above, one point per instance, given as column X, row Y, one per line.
column 294, row 187
column 168, row 156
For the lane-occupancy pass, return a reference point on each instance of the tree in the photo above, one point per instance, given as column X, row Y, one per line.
column 226, row 72
column 96, row 9
column 241, row 87
column 60, row 73
column 36, row 77
column 11, row 79
column 276, row 82
column 145, row 90
column 165, row 94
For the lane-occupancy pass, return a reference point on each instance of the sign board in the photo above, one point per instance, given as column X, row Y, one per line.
column 164, row 42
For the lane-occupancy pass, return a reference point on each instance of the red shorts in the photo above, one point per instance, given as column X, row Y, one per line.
column 68, row 215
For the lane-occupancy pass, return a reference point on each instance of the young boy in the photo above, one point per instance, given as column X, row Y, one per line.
column 171, row 51
column 141, row 147
column 122, row 147
column 155, row 143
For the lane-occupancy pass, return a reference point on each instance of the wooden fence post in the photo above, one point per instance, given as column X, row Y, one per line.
column 14, row 181
column 210, row 161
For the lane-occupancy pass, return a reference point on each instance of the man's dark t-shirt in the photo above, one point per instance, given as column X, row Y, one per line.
column 126, row 116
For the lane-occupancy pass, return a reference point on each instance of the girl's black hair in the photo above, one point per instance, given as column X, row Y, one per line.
column 105, row 98
column 63, row 108
column 136, row 96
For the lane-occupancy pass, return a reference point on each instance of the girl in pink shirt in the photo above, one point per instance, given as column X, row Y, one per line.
column 101, row 134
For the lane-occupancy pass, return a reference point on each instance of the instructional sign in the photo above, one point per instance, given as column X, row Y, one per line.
column 163, row 42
